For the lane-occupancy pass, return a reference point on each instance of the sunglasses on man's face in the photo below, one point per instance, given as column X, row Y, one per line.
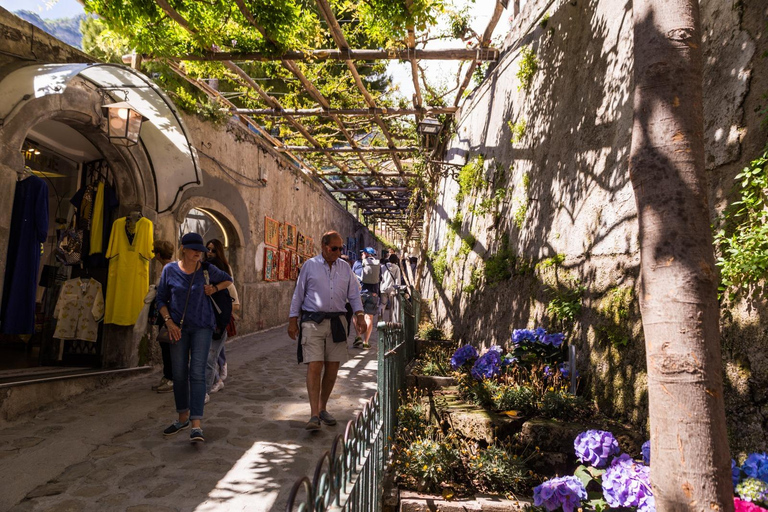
column 335, row 248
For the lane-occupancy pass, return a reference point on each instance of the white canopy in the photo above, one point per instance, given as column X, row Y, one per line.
column 164, row 136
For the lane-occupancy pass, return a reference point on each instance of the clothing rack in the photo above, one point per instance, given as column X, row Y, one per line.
column 97, row 170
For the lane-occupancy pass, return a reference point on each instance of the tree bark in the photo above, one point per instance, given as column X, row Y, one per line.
column 690, row 462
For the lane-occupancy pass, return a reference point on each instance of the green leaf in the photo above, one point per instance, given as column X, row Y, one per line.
column 597, row 504
column 582, row 473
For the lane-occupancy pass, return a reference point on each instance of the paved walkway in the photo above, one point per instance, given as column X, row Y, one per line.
column 104, row 450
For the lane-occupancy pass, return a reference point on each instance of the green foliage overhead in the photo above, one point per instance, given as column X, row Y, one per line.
column 742, row 239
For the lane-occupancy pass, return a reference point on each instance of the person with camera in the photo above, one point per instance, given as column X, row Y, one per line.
column 183, row 298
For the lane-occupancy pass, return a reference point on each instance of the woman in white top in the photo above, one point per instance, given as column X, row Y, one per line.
column 390, row 280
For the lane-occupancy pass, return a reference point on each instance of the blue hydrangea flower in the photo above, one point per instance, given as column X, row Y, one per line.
column 567, row 492
column 462, row 356
column 555, row 339
column 735, row 473
column 521, row 336
column 628, row 484
column 565, row 371
column 548, row 372
column 508, row 360
column 646, row 449
column 487, row 366
column 756, row 466
column 595, row 447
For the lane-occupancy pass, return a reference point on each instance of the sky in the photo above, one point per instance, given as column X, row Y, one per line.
column 438, row 71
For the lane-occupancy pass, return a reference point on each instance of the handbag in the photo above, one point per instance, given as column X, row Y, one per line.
column 69, row 249
column 231, row 329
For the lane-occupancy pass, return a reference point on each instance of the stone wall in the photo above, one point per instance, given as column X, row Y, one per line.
column 563, row 228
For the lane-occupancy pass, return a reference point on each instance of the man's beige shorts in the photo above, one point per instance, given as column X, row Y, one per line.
column 317, row 342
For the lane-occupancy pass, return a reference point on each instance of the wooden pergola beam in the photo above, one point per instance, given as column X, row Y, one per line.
column 341, row 42
column 430, row 111
column 371, row 189
column 309, row 149
column 407, row 54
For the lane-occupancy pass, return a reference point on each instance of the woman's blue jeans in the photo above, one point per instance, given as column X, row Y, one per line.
column 188, row 358
column 212, row 370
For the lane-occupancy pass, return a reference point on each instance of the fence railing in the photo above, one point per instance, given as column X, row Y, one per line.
column 349, row 476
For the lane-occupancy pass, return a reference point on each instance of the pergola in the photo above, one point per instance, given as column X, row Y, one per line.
column 376, row 178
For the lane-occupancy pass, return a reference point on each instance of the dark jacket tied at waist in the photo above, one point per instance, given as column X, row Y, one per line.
column 338, row 332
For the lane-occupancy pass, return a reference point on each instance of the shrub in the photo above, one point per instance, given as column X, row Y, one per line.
column 562, row 405
column 514, row 398
column 435, row 362
column 528, row 66
column 427, row 331
column 425, row 463
column 497, row 470
column 471, row 177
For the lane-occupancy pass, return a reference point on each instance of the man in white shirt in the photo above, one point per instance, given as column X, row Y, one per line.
column 318, row 319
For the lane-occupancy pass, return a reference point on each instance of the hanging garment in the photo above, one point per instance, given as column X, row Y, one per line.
column 79, row 310
column 128, row 280
column 29, row 229
column 97, row 222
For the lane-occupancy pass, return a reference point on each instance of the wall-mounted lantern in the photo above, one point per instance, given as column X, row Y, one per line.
column 430, row 126
column 123, row 123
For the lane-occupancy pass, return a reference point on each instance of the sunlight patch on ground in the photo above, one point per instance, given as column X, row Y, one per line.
column 248, row 486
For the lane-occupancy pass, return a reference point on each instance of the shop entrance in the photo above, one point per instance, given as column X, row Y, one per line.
column 70, row 168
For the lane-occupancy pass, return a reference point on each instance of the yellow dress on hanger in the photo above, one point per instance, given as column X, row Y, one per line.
column 128, row 280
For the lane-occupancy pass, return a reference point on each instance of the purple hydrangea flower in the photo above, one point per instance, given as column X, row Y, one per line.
column 628, row 484
column 548, row 372
column 565, row 372
column 487, row 366
column 462, row 356
column 496, row 348
column 646, row 449
column 520, row 336
column 735, row 473
column 567, row 492
column 508, row 360
column 555, row 339
column 595, row 447
column 756, row 466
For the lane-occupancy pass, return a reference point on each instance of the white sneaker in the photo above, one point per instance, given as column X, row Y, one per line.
column 207, row 398
column 223, row 372
column 219, row 385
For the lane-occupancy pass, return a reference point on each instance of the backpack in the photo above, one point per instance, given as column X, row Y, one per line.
column 388, row 278
column 371, row 271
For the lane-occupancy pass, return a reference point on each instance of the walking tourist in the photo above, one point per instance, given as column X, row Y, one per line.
column 368, row 271
column 216, row 369
column 163, row 250
column 318, row 319
column 390, row 283
column 184, row 304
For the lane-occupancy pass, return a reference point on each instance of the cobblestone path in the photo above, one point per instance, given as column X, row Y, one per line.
column 105, row 451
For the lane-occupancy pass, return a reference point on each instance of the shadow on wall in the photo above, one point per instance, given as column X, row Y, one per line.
column 576, row 120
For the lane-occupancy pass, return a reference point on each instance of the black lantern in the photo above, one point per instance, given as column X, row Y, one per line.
column 123, row 123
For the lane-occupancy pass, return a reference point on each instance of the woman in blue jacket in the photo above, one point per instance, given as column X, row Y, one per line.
column 183, row 299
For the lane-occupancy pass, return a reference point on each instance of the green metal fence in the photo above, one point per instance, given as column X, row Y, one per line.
column 349, row 476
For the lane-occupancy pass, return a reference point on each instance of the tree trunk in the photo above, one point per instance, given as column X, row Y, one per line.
column 690, row 463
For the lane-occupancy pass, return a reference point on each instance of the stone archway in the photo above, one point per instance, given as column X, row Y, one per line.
column 79, row 107
column 229, row 224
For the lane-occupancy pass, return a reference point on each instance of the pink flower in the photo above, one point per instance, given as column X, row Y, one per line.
column 746, row 506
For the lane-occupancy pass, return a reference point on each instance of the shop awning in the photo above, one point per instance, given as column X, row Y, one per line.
column 164, row 136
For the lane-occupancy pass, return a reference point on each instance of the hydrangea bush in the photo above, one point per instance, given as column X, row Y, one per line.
column 750, row 482
column 607, row 479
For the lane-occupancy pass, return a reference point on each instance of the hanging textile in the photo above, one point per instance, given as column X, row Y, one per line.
column 29, row 229
column 128, row 280
column 79, row 309
column 97, row 222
